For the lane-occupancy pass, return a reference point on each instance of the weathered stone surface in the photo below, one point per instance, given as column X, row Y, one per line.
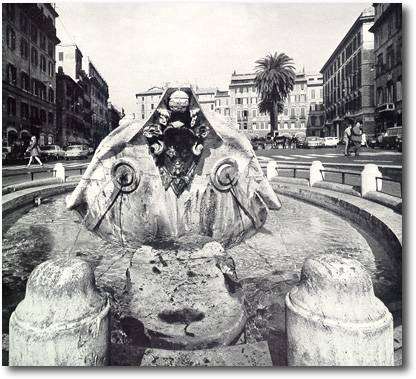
column 187, row 197
column 334, row 319
column 254, row 354
column 185, row 299
column 63, row 320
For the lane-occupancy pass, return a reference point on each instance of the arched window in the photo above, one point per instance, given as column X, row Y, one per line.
column 24, row 48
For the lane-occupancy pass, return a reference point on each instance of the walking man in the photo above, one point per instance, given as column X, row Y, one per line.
column 347, row 136
column 356, row 137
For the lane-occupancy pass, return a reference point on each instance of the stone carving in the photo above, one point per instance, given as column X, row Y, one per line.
column 176, row 176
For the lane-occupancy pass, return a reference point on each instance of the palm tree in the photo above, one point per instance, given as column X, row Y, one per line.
column 275, row 78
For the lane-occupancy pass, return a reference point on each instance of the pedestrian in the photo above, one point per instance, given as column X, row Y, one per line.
column 347, row 136
column 364, row 139
column 34, row 151
column 356, row 138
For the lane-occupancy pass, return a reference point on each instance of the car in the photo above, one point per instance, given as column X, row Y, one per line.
column 52, row 152
column 321, row 142
column 76, row 151
column 312, row 142
column 391, row 137
column 90, row 150
column 331, row 141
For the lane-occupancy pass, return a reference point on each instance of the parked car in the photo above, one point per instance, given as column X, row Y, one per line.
column 313, row 142
column 76, row 152
column 331, row 141
column 300, row 141
column 91, row 150
column 391, row 138
column 321, row 142
column 52, row 152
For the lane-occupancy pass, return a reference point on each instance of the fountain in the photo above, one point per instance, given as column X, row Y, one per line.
column 188, row 238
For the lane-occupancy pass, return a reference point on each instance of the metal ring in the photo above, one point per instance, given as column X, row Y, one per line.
column 124, row 176
column 225, row 174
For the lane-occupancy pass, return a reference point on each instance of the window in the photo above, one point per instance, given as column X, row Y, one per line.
column 61, row 56
column 254, row 125
column 238, row 101
column 24, row 48
column 33, row 33
column 24, row 111
column 245, row 115
column 11, row 74
column 51, row 95
column 286, row 125
column 390, row 57
column 399, row 90
column 302, row 86
column 34, row 57
column 50, row 118
column 254, row 113
column 42, row 116
column 302, row 112
column 313, row 94
column 10, row 38
column 152, row 106
column 212, row 107
column 302, row 124
column 292, row 125
column 286, row 112
column 25, row 81
column 43, row 63
column 380, row 97
column 43, row 41
column 51, row 49
column 24, row 24
column 50, row 69
column 11, row 106
column 292, row 112
column 380, row 64
column 10, row 12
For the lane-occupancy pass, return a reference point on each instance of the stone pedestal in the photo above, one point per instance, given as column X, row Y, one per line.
column 369, row 181
column 315, row 173
column 271, row 170
column 63, row 320
column 186, row 299
column 334, row 319
column 59, row 171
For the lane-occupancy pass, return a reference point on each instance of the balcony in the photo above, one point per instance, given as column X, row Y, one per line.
column 386, row 107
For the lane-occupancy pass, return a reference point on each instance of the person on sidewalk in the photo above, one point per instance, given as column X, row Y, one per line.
column 347, row 136
column 356, row 138
column 34, row 151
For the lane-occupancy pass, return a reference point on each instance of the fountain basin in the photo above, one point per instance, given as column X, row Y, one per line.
column 262, row 263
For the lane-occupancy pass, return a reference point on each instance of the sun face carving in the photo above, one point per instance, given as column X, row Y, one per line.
column 176, row 137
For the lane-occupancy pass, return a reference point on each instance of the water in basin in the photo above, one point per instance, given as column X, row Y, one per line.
column 298, row 230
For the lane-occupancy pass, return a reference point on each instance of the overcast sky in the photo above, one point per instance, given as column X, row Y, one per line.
column 139, row 45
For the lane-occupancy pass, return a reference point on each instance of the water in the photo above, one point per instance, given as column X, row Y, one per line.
column 298, row 230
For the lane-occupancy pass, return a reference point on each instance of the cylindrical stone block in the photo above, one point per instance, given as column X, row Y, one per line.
column 63, row 320
column 334, row 319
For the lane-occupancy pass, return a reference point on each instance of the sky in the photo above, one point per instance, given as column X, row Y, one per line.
column 138, row 45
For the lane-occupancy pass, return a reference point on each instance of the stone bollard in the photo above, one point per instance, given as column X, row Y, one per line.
column 334, row 319
column 59, row 170
column 271, row 170
column 369, row 183
column 63, row 320
column 315, row 174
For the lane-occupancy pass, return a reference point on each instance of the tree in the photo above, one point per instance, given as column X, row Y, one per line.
column 275, row 78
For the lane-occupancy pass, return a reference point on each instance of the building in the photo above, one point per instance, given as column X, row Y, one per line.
column 114, row 116
column 206, row 98
column 29, row 87
column 99, row 98
column 147, row 101
column 77, row 73
column 294, row 120
column 316, row 117
column 222, row 103
column 387, row 30
column 349, row 78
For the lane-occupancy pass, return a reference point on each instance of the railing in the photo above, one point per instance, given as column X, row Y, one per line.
column 342, row 172
column 378, row 178
column 294, row 168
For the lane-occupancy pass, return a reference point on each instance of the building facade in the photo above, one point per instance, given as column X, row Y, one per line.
column 28, row 68
column 147, row 101
column 82, row 114
column 316, row 116
column 349, row 79
column 222, row 103
column 294, row 120
column 114, row 116
column 387, row 30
